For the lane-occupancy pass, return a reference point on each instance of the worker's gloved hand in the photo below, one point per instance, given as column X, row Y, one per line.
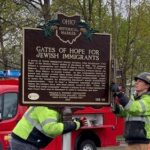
column 114, row 87
column 80, row 122
column 77, row 123
column 123, row 99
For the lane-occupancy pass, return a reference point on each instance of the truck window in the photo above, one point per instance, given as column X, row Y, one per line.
column 9, row 105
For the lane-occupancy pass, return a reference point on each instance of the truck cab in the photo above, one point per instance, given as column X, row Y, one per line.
column 10, row 110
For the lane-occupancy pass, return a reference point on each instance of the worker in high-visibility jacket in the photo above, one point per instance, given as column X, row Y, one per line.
column 137, row 113
column 38, row 127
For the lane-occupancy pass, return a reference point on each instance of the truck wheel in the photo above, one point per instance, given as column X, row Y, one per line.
column 87, row 145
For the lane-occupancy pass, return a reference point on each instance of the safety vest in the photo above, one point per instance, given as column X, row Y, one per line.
column 39, row 126
column 137, row 127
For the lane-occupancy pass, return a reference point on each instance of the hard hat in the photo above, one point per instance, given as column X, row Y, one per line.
column 145, row 76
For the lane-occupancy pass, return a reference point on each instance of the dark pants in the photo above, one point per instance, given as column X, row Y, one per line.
column 17, row 145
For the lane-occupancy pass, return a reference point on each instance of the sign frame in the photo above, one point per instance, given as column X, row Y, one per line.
column 60, row 102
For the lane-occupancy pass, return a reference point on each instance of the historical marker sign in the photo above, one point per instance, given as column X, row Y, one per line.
column 66, row 68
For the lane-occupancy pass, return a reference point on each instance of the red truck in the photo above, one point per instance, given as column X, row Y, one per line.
column 104, row 127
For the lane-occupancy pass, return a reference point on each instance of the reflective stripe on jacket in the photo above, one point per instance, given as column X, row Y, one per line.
column 39, row 126
column 137, row 127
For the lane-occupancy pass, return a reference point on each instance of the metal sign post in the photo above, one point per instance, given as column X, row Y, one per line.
column 67, row 115
column 66, row 141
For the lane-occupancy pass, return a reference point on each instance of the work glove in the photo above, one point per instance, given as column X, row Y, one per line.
column 77, row 123
column 80, row 122
column 123, row 99
column 114, row 87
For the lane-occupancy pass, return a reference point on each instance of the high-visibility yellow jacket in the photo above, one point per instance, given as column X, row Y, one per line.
column 137, row 125
column 40, row 125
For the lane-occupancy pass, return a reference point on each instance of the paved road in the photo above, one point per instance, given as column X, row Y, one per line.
column 112, row 148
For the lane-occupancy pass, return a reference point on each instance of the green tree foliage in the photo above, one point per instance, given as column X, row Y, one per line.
column 128, row 22
column 133, row 41
column 12, row 19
